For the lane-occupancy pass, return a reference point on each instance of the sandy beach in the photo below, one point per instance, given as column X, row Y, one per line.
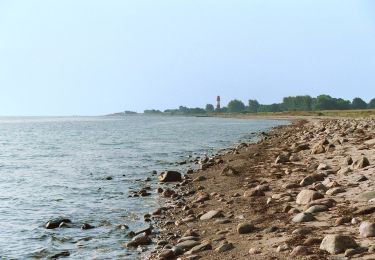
column 304, row 191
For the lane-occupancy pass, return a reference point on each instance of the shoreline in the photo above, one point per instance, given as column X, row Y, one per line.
column 247, row 187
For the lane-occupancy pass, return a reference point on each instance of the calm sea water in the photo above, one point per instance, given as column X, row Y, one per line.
column 52, row 167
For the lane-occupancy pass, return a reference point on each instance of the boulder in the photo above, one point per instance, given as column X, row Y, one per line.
column 344, row 170
column 199, row 178
column 229, row 171
column 245, row 228
column 141, row 239
column 282, row 248
column 187, row 244
column 308, row 180
column 170, row 176
column 303, row 231
column 332, row 184
column 370, row 142
column 61, row 254
column 323, row 167
column 300, row 250
column 367, row 229
column 167, row 254
column 317, row 149
column 361, row 178
column 302, row 147
column 253, row 193
column 303, row 217
column 199, row 248
column 324, row 142
column 317, row 208
column 55, row 223
column 291, row 186
column 225, row 246
column 318, row 186
column 282, row 158
column 348, row 160
column 360, row 163
column 201, row 197
column 147, row 231
column 342, row 220
column 306, row 196
column 254, row 251
column 191, row 232
column 263, row 187
column 335, row 191
column 337, row 244
column 211, row 214
column 369, row 195
column 365, row 210
column 87, row 226
column 185, row 238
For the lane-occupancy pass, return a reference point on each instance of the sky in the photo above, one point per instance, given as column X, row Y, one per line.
column 94, row 57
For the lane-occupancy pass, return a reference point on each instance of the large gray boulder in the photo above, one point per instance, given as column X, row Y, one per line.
column 187, row 244
column 141, row 239
column 303, row 217
column 244, row 228
column 367, row 229
column 306, row 196
column 170, row 176
column 337, row 244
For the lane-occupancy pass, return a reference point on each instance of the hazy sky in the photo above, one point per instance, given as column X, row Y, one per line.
column 90, row 57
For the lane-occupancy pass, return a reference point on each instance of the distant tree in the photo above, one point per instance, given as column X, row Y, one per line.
column 210, row 108
column 371, row 104
column 253, row 106
column 196, row 110
column 236, row 106
column 324, row 102
column 152, row 111
column 343, row 104
column 183, row 109
column 358, row 103
column 297, row 103
column 271, row 108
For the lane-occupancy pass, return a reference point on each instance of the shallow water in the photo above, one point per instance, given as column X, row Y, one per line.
column 52, row 167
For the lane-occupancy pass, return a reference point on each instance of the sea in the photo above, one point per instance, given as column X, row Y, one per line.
column 85, row 169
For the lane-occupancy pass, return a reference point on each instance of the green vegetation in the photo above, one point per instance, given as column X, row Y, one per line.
column 185, row 111
column 359, row 104
column 253, row 106
column 289, row 105
column 153, row 112
column 371, row 104
column 210, row 108
column 236, row 106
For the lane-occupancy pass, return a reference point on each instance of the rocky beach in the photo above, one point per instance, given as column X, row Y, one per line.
column 303, row 191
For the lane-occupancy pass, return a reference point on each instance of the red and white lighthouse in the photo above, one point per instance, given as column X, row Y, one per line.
column 218, row 103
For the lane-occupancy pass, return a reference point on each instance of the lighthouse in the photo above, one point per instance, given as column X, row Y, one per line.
column 218, row 103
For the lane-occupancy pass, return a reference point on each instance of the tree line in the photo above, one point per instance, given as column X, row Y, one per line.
column 291, row 103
